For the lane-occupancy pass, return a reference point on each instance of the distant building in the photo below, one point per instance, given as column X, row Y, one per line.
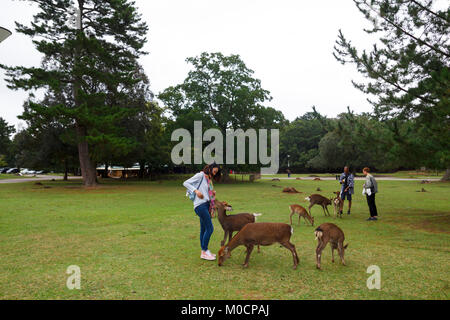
column 4, row 33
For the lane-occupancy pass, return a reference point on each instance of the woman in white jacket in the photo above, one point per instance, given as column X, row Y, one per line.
column 201, row 184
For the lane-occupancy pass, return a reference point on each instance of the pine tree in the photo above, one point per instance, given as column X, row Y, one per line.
column 90, row 50
column 408, row 71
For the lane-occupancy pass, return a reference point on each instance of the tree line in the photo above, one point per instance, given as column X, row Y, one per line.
column 98, row 107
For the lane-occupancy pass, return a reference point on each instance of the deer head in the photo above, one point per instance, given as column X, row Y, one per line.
column 224, row 254
column 223, row 205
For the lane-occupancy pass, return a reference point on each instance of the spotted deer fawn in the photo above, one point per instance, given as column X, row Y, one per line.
column 329, row 232
column 295, row 208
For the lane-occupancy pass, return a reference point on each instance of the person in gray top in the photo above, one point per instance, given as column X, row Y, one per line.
column 370, row 188
column 202, row 186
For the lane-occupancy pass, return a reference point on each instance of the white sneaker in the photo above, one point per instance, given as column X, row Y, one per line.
column 207, row 256
column 209, row 252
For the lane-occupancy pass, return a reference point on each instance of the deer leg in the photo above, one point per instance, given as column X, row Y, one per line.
column 326, row 207
column 291, row 248
column 290, row 217
column 259, row 249
column 320, row 246
column 341, row 251
column 249, row 251
column 333, row 246
column 230, row 235
column 222, row 243
column 309, row 209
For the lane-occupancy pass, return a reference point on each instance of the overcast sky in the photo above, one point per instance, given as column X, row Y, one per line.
column 288, row 44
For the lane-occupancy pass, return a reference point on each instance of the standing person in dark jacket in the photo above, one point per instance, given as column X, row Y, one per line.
column 347, row 188
column 370, row 188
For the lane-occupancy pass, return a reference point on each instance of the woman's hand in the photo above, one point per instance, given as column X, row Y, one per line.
column 214, row 193
column 199, row 194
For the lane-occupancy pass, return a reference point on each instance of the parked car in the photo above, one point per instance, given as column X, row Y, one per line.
column 13, row 170
column 3, row 170
column 27, row 171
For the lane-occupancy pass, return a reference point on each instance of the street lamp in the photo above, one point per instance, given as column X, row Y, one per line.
column 4, row 33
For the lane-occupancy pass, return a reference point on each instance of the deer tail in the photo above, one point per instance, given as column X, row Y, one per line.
column 307, row 199
column 256, row 215
column 318, row 233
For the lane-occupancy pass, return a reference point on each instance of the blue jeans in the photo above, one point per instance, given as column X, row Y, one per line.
column 206, row 226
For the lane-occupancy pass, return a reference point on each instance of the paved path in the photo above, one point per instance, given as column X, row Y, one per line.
column 359, row 178
column 36, row 178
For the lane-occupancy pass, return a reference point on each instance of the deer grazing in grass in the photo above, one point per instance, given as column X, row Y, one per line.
column 329, row 232
column 337, row 204
column 232, row 223
column 320, row 200
column 302, row 212
column 265, row 234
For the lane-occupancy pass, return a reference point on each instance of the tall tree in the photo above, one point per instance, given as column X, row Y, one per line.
column 300, row 140
column 223, row 91
column 90, row 66
column 408, row 71
column 6, row 131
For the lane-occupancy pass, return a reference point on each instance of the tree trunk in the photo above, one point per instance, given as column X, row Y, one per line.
column 141, row 170
column 65, row 170
column 88, row 170
column 105, row 172
column 446, row 176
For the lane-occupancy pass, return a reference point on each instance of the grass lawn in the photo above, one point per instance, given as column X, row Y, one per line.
column 5, row 176
column 139, row 240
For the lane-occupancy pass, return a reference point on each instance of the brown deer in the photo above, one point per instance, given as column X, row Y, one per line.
column 290, row 190
column 295, row 208
column 337, row 204
column 329, row 232
column 232, row 223
column 321, row 200
column 265, row 234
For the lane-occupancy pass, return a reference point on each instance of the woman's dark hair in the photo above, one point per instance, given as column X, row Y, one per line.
column 209, row 168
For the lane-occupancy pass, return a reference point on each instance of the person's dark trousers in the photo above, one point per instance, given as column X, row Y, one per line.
column 372, row 205
column 206, row 226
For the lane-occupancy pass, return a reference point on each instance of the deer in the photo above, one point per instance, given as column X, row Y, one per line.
column 337, row 204
column 329, row 232
column 232, row 223
column 302, row 212
column 321, row 200
column 263, row 233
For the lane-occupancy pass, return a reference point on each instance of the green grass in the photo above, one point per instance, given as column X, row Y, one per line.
column 5, row 176
column 139, row 240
